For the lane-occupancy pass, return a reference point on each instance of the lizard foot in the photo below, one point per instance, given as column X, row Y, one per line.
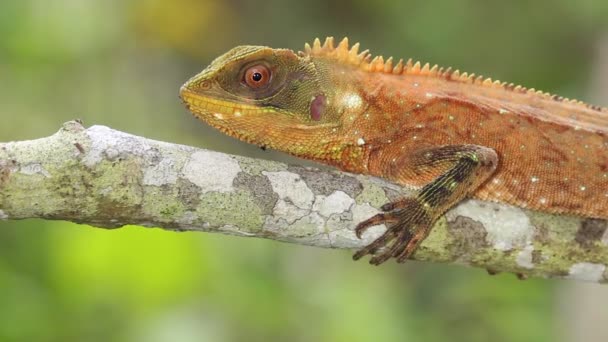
column 407, row 222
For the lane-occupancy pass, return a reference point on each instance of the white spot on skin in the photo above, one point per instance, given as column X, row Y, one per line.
column 336, row 203
column 496, row 181
column 34, row 169
column 587, row 271
column 515, row 231
column 3, row 215
column 534, row 179
column 502, row 111
column 583, row 188
column 161, row 173
column 429, row 95
column 238, row 113
column 291, row 188
column 360, row 142
column 211, row 171
column 218, row 116
column 543, row 200
column 352, row 101
column 524, row 257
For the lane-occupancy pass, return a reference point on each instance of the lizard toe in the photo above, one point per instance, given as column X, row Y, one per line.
column 406, row 226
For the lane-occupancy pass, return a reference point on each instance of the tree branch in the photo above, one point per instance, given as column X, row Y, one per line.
column 106, row 178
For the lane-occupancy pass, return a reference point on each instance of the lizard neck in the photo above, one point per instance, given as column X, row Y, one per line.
column 326, row 146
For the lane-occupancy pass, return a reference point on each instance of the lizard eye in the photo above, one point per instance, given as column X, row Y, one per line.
column 256, row 76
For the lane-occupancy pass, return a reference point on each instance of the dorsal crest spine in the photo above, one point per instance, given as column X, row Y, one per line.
column 351, row 55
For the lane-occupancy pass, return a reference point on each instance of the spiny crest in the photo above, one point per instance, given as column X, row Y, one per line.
column 342, row 52
column 351, row 55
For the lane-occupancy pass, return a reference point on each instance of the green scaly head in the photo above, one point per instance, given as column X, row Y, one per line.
column 269, row 97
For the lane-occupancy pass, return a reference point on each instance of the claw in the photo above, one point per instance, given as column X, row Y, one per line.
column 379, row 259
column 374, row 221
column 369, row 249
column 374, row 246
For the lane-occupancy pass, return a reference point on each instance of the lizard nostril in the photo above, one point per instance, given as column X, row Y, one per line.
column 205, row 85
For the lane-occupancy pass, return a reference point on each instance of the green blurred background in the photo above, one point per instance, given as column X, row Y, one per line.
column 120, row 63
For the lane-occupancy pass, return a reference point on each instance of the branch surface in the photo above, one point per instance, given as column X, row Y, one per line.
column 107, row 178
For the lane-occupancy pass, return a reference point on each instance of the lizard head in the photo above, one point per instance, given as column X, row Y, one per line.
column 270, row 97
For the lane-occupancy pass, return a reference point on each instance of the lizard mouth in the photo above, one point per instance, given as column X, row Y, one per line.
column 241, row 121
column 215, row 106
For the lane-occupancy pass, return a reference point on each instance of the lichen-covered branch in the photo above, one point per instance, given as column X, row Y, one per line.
column 107, row 178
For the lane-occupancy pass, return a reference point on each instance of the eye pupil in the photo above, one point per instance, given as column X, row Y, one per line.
column 257, row 76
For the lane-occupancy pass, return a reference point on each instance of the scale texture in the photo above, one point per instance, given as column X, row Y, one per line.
column 447, row 134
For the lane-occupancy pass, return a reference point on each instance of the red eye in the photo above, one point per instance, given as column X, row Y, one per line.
column 257, row 76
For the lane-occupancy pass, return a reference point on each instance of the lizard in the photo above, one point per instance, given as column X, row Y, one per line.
column 446, row 134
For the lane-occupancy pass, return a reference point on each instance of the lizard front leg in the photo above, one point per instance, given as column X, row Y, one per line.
column 457, row 170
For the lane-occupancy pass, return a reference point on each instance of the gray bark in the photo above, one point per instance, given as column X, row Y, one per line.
column 106, row 178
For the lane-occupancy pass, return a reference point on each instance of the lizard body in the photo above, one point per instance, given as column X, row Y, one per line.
column 447, row 134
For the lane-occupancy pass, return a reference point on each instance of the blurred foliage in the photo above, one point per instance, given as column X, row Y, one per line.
column 120, row 63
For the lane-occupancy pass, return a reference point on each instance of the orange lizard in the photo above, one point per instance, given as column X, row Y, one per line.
column 448, row 134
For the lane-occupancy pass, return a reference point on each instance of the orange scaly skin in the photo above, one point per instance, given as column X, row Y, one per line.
column 448, row 134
